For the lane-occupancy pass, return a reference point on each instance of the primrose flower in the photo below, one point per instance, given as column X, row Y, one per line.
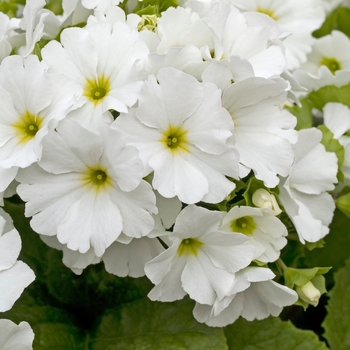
column 331, row 51
column 100, row 59
column 32, row 103
column 265, row 231
column 303, row 193
column 264, row 132
column 297, row 17
column 14, row 275
column 258, row 298
column 201, row 262
column 182, row 133
column 88, row 189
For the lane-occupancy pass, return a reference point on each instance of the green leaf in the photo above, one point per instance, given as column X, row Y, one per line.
column 337, row 242
column 332, row 145
column 303, row 114
column 299, row 277
column 343, row 204
column 10, row 7
column 154, row 7
column 270, row 334
column 336, row 323
column 58, row 336
column 149, row 325
column 55, row 6
column 318, row 99
column 337, row 20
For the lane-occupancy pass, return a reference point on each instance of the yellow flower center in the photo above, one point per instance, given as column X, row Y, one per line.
column 27, row 126
column 96, row 178
column 96, row 89
column 268, row 12
column 189, row 246
column 331, row 63
column 245, row 225
column 174, row 139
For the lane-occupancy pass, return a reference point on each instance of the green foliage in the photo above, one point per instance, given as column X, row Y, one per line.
column 162, row 326
column 318, row 99
column 333, row 145
column 336, row 324
column 270, row 334
column 154, row 7
column 303, row 114
column 343, row 204
column 55, row 6
column 10, row 7
column 337, row 20
column 337, row 242
column 299, row 277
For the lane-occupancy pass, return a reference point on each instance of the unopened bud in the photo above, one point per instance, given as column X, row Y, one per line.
column 309, row 293
column 263, row 199
column 147, row 22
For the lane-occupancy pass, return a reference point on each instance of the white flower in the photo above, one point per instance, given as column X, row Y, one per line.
column 332, row 51
column 5, row 46
column 325, row 78
column 129, row 258
column 303, row 193
column 265, row 231
column 37, row 22
column 6, row 177
column 201, row 262
column 15, row 337
column 263, row 131
column 32, row 103
column 178, row 27
column 250, row 36
column 73, row 259
column 260, row 298
column 14, row 275
column 101, row 61
column 298, row 17
column 99, row 4
column 337, row 118
column 91, row 189
column 182, row 134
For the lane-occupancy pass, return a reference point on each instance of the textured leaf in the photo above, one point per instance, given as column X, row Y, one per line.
column 151, row 325
column 58, row 336
column 270, row 334
column 337, row 242
column 337, row 322
column 318, row 99
column 343, row 204
column 337, row 20
column 333, row 145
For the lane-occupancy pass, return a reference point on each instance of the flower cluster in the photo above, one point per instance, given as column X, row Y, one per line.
column 160, row 143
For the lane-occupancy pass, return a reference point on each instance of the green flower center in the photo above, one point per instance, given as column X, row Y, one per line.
column 189, row 246
column 27, row 126
column 331, row 63
column 96, row 178
column 174, row 138
column 96, row 89
column 268, row 12
column 245, row 225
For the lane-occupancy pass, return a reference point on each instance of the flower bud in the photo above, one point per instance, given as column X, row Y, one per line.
column 263, row 199
column 309, row 293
